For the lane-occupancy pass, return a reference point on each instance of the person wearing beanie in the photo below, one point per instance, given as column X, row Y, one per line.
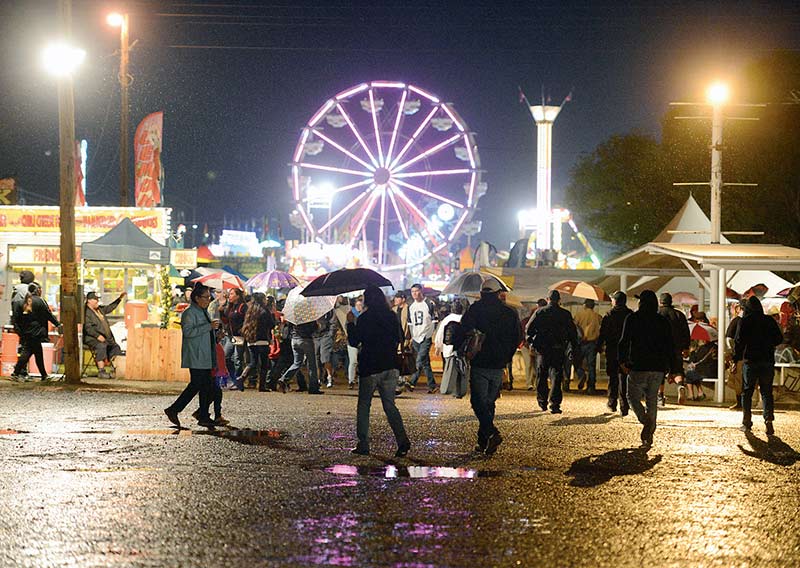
column 610, row 334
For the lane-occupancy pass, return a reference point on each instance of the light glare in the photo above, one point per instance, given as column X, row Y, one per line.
column 718, row 93
column 61, row 59
column 115, row 19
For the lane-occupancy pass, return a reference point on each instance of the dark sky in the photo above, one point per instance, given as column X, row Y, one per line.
column 238, row 112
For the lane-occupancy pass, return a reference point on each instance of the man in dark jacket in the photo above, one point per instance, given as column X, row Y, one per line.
column 550, row 332
column 232, row 314
column 501, row 328
column 681, row 341
column 610, row 333
column 756, row 338
column 378, row 332
column 646, row 354
column 33, row 318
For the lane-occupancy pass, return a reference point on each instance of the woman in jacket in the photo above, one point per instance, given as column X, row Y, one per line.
column 257, row 332
column 198, row 354
column 97, row 334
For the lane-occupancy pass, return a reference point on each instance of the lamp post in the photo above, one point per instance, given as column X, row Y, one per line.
column 120, row 21
column 61, row 60
column 717, row 95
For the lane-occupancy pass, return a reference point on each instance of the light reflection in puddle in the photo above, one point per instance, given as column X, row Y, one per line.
column 411, row 472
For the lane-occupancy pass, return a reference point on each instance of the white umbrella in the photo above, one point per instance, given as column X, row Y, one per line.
column 300, row 309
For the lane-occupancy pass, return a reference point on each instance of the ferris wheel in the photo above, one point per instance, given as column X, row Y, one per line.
column 387, row 168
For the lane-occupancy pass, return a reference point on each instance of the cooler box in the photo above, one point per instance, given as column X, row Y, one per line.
column 135, row 313
column 9, row 353
column 49, row 352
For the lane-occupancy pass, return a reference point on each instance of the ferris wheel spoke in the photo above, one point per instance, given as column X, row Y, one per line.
column 344, row 151
column 365, row 213
column 333, row 169
column 432, row 173
column 400, row 108
column 351, row 186
column 420, row 216
column 414, row 137
column 382, row 227
column 398, row 215
column 341, row 213
column 352, row 126
column 375, row 125
column 436, row 196
column 430, row 151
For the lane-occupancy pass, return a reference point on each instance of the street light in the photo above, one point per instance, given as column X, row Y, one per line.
column 62, row 60
column 117, row 20
column 718, row 94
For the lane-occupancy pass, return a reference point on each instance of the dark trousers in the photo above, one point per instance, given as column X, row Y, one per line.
column 259, row 363
column 761, row 374
column 484, row 387
column 30, row 346
column 200, row 382
column 550, row 366
column 617, row 385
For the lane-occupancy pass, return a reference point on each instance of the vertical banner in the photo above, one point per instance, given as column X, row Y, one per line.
column 80, row 195
column 8, row 191
column 147, row 148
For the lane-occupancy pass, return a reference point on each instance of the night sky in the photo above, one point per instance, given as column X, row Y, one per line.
column 233, row 116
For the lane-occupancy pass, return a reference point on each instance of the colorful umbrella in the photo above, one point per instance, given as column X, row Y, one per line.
column 685, row 299
column 303, row 309
column 757, row 290
column 702, row 332
column 272, row 279
column 343, row 281
column 221, row 281
column 580, row 289
column 471, row 283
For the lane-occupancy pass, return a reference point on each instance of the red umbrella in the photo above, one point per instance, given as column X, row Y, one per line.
column 702, row 332
column 221, row 281
column 757, row 290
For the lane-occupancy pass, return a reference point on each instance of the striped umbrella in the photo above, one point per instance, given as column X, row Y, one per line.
column 272, row 279
column 221, row 281
column 702, row 332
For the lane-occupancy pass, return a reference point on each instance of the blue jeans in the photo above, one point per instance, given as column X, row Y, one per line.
column 386, row 383
column 588, row 350
column 550, row 365
column 303, row 349
column 234, row 357
column 484, row 387
column 423, row 349
column 644, row 384
column 761, row 374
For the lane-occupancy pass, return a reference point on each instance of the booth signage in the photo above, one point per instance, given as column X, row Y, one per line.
column 183, row 258
column 29, row 254
column 87, row 220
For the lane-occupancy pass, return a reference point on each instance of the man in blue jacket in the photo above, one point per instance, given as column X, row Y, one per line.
column 501, row 328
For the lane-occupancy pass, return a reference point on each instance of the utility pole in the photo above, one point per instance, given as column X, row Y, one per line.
column 121, row 20
column 66, row 151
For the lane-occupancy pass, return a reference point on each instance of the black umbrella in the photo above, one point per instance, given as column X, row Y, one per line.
column 343, row 281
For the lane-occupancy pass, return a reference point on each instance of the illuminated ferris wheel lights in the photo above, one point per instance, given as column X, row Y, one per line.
column 400, row 108
column 321, row 112
column 414, row 137
column 344, row 150
column 350, row 92
column 397, row 212
column 375, row 124
column 334, row 169
column 452, row 117
column 432, row 173
column 347, row 208
column 419, row 91
column 428, row 193
column 388, row 84
column 353, row 128
column 426, row 153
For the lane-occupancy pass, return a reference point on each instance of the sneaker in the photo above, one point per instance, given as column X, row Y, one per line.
column 646, row 437
column 207, row 423
column 359, row 451
column 329, row 384
column 17, row 378
column 770, row 428
column 530, row 388
column 433, row 390
column 662, row 400
column 623, row 410
column 409, row 387
column 581, row 383
column 612, row 406
column 681, row 395
column 103, row 374
column 735, row 406
column 352, row 384
column 493, row 443
column 402, row 449
column 555, row 410
column 543, row 407
column 172, row 416
column 701, row 397
column 220, row 421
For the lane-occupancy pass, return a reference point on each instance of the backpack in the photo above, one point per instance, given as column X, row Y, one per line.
column 453, row 334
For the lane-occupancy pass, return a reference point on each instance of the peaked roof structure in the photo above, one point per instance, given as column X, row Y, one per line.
column 126, row 243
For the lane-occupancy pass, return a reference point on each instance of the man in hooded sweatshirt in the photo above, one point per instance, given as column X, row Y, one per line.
column 756, row 338
column 610, row 333
column 645, row 352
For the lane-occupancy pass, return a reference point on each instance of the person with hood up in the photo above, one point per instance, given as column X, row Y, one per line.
column 680, row 345
column 646, row 354
column 502, row 333
column 377, row 333
column 756, row 338
column 610, row 333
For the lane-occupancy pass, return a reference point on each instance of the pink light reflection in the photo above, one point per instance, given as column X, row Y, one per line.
column 419, row 91
column 427, row 153
column 344, row 150
column 352, row 126
column 367, row 212
column 321, row 112
column 396, row 126
column 397, row 213
column 353, row 91
column 333, row 169
column 345, row 210
column 469, row 151
column 432, row 173
column 453, row 117
column 389, row 84
column 428, row 193
column 375, row 124
column 413, row 138
column 298, row 152
column 351, row 186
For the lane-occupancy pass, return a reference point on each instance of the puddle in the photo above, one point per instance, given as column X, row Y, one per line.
column 9, row 432
column 412, row 472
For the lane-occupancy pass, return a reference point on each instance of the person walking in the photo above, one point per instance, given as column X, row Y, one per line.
column 302, row 349
column 323, row 346
column 377, row 334
column 550, row 332
column 499, row 326
column 97, row 334
column 453, row 381
column 756, row 338
column 589, row 322
column 529, row 356
column 421, row 323
column 198, row 354
column 355, row 308
column 608, row 340
column 233, row 312
column 257, row 332
column 734, row 372
column 681, row 342
column 646, row 354
column 33, row 318
column 400, row 307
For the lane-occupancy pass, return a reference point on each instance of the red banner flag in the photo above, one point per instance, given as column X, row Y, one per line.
column 147, row 148
column 80, row 196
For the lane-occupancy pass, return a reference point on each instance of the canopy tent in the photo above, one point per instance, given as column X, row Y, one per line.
column 126, row 243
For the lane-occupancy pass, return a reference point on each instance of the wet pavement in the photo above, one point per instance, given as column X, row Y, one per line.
column 94, row 478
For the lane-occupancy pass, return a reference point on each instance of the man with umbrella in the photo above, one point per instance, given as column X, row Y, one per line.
column 550, row 332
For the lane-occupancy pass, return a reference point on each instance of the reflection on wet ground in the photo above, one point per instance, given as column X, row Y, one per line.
column 9, row 432
column 392, row 471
